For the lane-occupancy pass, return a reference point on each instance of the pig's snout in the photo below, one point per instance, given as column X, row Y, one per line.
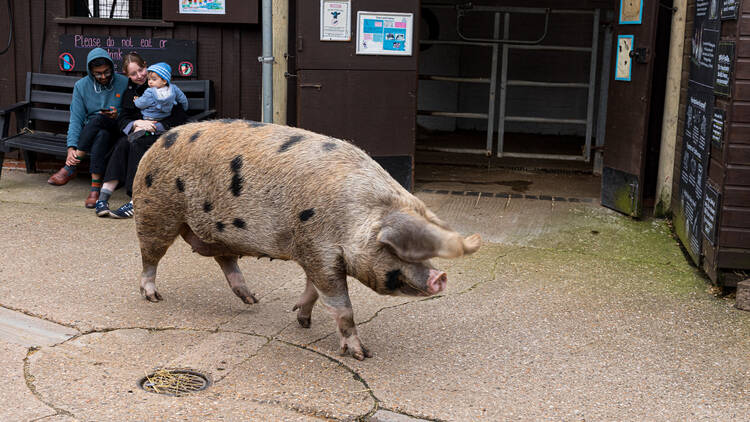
column 437, row 281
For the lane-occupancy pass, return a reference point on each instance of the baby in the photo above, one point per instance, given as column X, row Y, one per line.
column 157, row 101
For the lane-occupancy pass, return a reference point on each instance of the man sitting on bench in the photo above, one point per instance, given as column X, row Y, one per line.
column 93, row 110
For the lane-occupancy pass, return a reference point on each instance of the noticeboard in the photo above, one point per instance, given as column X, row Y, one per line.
column 384, row 33
column 179, row 54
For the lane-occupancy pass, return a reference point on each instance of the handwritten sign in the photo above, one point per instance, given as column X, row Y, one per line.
column 177, row 53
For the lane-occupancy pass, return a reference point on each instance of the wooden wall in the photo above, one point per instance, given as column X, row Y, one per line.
column 227, row 53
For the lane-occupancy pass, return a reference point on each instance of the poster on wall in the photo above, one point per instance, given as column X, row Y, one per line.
column 717, row 127
column 705, row 40
column 384, row 33
column 711, row 205
column 181, row 55
column 724, row 65
column 729, row 9
column 623, row 65
column 203, row 7
column 694, row 166
column 631, row 12
column 335, row 20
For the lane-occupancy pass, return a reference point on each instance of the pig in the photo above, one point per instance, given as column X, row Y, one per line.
column 234, row 188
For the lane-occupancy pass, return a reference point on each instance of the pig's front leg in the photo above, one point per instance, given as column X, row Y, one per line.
column 305, row 304
column 341, row 307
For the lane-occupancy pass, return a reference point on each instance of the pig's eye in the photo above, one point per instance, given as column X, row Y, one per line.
column 393, row 280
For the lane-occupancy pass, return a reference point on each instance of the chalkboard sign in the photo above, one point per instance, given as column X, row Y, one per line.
column 711, row 204
column 706, row 32
column 695, row 155
column 724, row 65
column 179, row 54
column 717, row 127
column 729, row 9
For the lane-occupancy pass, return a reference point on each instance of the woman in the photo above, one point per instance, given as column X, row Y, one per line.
column 127, row 154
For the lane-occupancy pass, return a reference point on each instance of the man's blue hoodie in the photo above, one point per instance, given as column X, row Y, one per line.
column 89, row 96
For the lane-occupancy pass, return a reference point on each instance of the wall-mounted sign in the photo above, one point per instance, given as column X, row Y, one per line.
column 335, row 20
column 711, row 205
column 203, row 7
column 623, row 66
column 631, row 12
column 384, row 33
column 717, row 127
column 729, row 9
column 724, row 65
column 75, row 48
column 707, row 28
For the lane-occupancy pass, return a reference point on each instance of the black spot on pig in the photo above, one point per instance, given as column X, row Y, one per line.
column 306, row 214
column 236, row 186
column 149, row 180
column 239, row 223
column 220, row 226
column 236, row 164
column 169, row 139
column 329, row 146
column 393, row 280
column 194, row 136
column 180, row 185
column 207, row 206
column 288, row 144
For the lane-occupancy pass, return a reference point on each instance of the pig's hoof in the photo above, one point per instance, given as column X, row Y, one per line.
column 249, row 299
column 151, row 297
column 353, row 346
column 303, row 321
column 244, row 294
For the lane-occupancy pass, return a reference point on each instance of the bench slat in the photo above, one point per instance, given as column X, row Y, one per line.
column 54, row 80
column 192, row 86
column 51, row 97
column 49, row 114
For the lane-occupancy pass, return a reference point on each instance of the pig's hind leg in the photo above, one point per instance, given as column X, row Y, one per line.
column 154, row 241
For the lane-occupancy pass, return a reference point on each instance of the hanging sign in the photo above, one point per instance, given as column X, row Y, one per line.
column 706, row 31
column 711, row 204
column 384, row 33
column 335, row 20
column 724, row 65
column 717, row 127
column 729, row 9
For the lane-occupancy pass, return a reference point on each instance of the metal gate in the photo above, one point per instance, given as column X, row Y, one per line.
column 504, row 46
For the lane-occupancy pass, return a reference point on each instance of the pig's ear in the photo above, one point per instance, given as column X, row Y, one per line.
column 414, row 239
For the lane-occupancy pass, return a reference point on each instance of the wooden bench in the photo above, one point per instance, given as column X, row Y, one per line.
column 42, row 119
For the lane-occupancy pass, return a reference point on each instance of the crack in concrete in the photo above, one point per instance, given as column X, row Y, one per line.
column 32, row 388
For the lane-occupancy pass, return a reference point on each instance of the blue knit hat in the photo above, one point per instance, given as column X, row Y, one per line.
column 162, row 69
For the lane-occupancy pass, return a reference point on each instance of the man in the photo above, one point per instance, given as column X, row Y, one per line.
column 96, row 100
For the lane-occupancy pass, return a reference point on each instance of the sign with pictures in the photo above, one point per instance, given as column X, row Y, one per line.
column 717, row 127
column 724, row 66
column 335, row 20
column 729, row 9
column 384, row 33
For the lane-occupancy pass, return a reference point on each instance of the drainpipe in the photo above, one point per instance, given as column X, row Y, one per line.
column 667, row 151
column 267, row 60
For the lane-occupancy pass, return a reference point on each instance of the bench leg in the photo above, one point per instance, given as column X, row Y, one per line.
column 30, row 158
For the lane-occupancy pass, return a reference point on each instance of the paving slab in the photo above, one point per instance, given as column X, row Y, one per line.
column 18, row 402
column 28, row 331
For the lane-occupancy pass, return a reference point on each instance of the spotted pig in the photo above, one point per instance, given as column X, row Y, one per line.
column 235, row 188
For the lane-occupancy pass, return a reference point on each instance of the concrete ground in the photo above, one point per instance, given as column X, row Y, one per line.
column 568, row 312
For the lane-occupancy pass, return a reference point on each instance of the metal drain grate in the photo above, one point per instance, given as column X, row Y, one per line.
column 174, row 382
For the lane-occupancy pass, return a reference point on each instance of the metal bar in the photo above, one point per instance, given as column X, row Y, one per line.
column 503, row 89
column 454, row 79
column 549, row 47
column 592, row 89
column 601, row 120
column 544, row 120
column 509, row 9
column 548, row 84
column 459, row 150
column 460, row 14
column 544, row 156
column 455, row 42
column 452, row 114
column 267, row 67
column 493, row 89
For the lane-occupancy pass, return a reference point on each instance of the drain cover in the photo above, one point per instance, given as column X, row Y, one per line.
column 174, row 382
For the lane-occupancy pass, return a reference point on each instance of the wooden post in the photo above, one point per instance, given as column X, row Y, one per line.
column 280, row 11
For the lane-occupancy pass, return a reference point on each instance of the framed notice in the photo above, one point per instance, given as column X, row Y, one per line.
column 384, row 33
column 203, row 7
column 210, row 11
column 631, row 12
column 623, row 66
column 335, row 20
column 729, row 9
